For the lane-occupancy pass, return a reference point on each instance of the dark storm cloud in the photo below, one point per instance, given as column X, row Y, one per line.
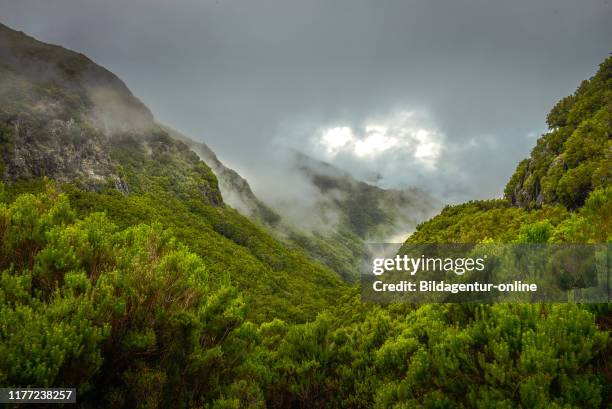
column 249, row 77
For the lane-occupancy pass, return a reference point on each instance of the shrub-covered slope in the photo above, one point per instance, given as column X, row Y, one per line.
column 106, row 310
column 575, row 157
column 67, row 119
column 570, row 165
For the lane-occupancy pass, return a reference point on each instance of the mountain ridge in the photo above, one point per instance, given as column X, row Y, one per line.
column 352, row 212
column 75, row 123
column 104, row 150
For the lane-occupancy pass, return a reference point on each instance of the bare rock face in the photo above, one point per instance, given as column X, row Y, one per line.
column 62, row 150
column 122, row 186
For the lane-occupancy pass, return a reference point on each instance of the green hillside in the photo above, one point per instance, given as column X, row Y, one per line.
column 79, row 126
column 124, row 274
column 570, row 165
column 339, row 248
column 575, row 157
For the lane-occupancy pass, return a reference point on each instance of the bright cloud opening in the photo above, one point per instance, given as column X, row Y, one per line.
column 428, row 149
column 335, row 138
column 373, row 144
column 402, row 132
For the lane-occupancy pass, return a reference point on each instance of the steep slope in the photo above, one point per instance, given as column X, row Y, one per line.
column 58, row 110
column 561, row 194
column 67, row 119
column 235, row 189
column 340, row 250
column 575, row 157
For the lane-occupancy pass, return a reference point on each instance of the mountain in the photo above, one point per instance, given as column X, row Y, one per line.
column 235, row 189
column 64, row 118
column 68, row 119
column 368, row 211
column 575, row 156
column 58, row 110
column 339, row 218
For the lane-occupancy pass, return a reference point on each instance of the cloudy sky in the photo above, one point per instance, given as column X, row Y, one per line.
column 446, row 95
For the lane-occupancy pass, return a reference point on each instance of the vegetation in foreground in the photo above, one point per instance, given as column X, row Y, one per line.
column 131, row 317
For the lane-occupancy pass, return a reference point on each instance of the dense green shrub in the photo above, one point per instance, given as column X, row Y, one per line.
column 124, row 315
column 575, row 157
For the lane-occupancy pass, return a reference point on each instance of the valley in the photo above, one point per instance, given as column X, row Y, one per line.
column 138, row 268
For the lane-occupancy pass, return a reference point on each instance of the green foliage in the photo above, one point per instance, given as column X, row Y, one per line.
column 505, row 356
column 575, row 157
column 538, row 232
column 478, row 221
column 124, row 315
column 591, row 224
column 277, row 281
column 140, row 174
column 497, row 221
column 433, row 356
column 159, row 180
column 133, row 318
